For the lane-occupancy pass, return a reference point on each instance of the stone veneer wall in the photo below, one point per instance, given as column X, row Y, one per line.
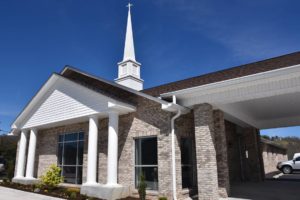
column 271, row 156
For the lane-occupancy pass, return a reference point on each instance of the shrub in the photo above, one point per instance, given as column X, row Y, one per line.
column 142, row 187
column 52, row 177
column 162, row 198
column 72, row 192
column 73, row 189
column 73, row 195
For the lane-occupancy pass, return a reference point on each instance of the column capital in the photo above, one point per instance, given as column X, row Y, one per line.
column 113, row 111
column 94, row 116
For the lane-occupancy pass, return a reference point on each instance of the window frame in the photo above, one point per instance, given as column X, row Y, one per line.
column 189, row 165
column 141, row 166
column 63, row 142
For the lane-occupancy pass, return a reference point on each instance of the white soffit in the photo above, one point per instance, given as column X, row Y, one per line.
column 264, row 100
column 265, row 84
column 63, row 100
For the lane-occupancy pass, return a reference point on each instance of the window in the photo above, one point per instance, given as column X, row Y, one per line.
column 146, row 161
column 297, row 159
column 70, row 156
column 186, row 163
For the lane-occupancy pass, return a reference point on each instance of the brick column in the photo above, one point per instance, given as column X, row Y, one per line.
column 205, row 152
column 221, row 151
column 254, row 171
column 164, row 165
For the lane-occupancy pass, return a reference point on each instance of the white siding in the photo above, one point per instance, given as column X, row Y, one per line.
column 65, row 101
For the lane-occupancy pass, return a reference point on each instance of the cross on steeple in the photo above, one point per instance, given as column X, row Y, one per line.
column 129, row 5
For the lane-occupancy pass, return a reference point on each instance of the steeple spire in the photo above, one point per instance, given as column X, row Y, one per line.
column 129, row 73
column 129, row 45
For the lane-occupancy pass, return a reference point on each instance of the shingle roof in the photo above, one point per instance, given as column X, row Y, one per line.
column 231, row 73
column 107, row 88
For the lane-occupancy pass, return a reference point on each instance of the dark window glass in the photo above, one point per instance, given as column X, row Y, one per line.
column 61, row 138
column 81, row 136
column 146, row 149
column 70, row 153
column 70, row 156
column 298, row 159
column 150, row 174
column 59, row 153
column 186, row 163
column 69, row 174
column 71, row 137
column 80, row 152
column 146, row 162
column 79, row 175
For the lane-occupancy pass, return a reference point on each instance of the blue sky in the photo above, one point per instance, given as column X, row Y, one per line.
column 174, row 39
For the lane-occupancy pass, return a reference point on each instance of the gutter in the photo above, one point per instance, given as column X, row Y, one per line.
column 175, row 108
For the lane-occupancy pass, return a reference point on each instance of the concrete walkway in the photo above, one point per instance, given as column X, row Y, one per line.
column 12, row 194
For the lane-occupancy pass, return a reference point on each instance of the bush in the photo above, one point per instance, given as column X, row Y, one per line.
column 52, row 177
column 73, row 195
column 162, row 198
column 142, row 187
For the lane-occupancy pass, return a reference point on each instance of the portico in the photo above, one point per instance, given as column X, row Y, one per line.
column 91, row 110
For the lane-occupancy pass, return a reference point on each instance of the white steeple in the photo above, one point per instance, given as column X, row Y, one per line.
column 129, row 45
column 129, row 68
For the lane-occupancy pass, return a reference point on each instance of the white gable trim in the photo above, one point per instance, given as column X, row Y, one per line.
column 61, row 99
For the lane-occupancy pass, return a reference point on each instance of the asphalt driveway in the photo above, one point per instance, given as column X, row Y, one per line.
column 268, row 190
column 12, row 194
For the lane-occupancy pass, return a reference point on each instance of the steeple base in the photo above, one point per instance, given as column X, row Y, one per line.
column 131, row 82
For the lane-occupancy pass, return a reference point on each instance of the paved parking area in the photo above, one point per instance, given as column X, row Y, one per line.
column 11, row 194
column 267, row 190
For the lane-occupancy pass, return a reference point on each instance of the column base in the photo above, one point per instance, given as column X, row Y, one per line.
column 109, row 192
column 25, row 181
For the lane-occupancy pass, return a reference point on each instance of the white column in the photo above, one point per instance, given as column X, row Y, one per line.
column 112, row 158
column 92, row 151
column 21, row 155
column 31, row 154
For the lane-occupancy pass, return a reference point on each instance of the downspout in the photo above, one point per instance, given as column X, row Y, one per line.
column 173, row 149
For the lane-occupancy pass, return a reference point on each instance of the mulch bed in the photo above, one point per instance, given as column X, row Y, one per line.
column 58, row 192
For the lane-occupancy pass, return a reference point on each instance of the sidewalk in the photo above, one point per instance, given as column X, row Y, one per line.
column 12, row 194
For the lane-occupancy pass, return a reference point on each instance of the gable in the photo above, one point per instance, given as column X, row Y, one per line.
column 62, row 100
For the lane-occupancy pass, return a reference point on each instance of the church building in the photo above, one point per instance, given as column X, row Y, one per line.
column 191, row 139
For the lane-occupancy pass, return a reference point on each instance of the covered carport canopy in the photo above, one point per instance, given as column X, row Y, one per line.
column 263, row 100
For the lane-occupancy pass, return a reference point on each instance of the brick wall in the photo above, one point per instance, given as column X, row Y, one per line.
column 244, row 157
column 205, row 152
column 221, row 153
column 47, row 143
